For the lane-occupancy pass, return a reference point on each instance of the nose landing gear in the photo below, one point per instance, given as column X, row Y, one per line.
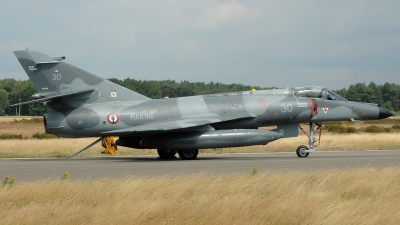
column 304, row 151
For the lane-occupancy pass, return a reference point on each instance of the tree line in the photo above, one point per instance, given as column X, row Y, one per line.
column 386, row 95
column 13, row 91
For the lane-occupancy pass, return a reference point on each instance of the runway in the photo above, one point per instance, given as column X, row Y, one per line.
column 119, row 167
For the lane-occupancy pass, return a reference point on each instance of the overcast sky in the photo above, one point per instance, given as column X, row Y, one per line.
column 265, row 43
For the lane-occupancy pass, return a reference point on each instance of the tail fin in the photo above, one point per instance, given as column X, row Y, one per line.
column 54, row 78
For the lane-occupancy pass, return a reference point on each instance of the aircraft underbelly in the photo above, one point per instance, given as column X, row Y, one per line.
column 210, row 139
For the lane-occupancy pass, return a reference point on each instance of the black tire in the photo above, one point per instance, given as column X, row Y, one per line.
column 300, row 151
column 188, row 154
column 166, row 154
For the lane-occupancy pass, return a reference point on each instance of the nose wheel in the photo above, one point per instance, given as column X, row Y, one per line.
column 301, row 151
column 304, row 151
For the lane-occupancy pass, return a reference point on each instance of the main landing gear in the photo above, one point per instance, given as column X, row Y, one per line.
column 166, row 154
column 304, row 151
column 188, row 154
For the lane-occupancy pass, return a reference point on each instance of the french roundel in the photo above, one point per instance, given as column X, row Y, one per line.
column 113, row 118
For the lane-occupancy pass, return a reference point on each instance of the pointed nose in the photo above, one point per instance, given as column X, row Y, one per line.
column 384, row 113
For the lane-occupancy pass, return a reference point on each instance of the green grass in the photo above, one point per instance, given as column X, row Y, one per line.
column 387, row 121
column 396, row 126
column 11, row 136
column 377, row 129
column 340, row 129
column 32, row 120
column 44, row 136
column 384, row 121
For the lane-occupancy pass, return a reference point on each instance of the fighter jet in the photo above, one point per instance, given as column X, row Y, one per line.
column 82, row 104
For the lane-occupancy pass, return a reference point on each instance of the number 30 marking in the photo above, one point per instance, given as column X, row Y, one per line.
column 56, row 76
column 287, row 108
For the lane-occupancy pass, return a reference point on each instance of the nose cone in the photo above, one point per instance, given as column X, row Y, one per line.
column 384, row 113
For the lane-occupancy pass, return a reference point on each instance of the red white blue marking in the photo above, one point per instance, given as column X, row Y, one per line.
column 113, row 118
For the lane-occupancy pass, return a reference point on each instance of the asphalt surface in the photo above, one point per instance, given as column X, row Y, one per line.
column 119, row 167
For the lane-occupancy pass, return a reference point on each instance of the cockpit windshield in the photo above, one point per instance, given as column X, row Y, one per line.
column 317, row 92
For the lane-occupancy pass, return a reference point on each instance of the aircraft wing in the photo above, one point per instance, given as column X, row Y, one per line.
column 199, row 123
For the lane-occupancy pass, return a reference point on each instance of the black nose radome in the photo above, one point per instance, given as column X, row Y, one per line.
column 384, row 113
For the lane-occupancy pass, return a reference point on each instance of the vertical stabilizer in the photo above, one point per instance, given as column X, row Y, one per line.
column 53, row 77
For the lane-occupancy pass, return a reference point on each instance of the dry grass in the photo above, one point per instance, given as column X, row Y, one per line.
column 9, row 126
column 362, row 196
column 65, row 146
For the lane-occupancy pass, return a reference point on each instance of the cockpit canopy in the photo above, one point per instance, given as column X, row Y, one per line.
column 317, row 92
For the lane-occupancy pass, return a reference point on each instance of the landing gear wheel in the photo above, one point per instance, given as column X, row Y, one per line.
column 314, row 129
column 166, row 154
column 189, row 154
column 301, row 151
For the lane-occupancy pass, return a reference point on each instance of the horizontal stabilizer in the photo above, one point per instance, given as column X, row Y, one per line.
column 51, row 97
